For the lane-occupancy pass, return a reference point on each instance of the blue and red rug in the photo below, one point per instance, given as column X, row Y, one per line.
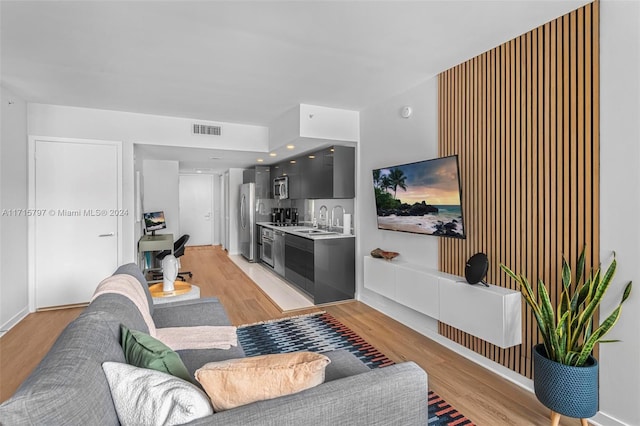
column 321, row 333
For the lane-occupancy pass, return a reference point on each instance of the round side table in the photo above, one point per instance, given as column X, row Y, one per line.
column 182, row 291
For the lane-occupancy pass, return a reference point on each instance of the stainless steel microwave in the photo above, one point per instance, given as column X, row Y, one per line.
column 281, row 188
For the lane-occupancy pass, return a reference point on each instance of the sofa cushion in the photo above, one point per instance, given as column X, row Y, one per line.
column 237, row 382
column 189, row 313
column 343, row 364
column 149, row 397
column 133, row 270
column 69, row 382
column 142, row 350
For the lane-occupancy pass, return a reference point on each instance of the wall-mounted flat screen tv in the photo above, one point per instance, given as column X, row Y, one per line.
column 422, row 197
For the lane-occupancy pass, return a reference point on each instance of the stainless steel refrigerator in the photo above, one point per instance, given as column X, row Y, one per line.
column 248, row 242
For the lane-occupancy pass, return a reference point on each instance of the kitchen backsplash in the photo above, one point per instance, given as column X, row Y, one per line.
column 309, row 209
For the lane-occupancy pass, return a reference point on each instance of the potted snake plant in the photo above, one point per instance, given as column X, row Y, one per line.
column 565, row 371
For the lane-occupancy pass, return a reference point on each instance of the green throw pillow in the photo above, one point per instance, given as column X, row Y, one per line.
column 142, row 350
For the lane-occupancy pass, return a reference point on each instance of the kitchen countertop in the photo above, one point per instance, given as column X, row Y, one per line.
column 299, row 230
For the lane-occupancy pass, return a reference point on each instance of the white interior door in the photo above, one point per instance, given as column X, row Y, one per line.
column 76, row 222
column 196, row 206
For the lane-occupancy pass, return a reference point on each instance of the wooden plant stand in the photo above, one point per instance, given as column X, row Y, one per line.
column 555, row 419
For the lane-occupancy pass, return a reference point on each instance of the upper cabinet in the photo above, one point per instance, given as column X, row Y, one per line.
column 328, row 173
column 261, row 176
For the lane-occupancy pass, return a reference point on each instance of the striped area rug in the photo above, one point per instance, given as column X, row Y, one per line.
column 320, row 332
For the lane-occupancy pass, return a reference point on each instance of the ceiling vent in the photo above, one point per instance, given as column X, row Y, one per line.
column 203, row 129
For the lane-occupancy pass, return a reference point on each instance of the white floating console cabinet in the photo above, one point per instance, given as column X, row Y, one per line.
column 493, row 313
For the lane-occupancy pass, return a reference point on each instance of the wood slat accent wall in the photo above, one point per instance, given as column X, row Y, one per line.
column 524, row 121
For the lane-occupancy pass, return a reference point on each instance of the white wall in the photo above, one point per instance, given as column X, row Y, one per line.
column 142, row 128
column 312, row 126
column 161, row 192
column 13, row 195
column 387, row 139
column 329, row 123
column 620, row 204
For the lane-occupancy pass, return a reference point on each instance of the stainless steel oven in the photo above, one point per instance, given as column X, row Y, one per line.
column 266, row 249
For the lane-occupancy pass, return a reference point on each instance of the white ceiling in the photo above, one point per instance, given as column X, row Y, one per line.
column 245, row 61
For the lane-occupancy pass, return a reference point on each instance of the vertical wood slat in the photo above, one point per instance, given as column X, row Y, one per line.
column 524, row 121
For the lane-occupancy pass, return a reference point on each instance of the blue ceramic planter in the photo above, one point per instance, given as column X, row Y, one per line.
column 570, row 391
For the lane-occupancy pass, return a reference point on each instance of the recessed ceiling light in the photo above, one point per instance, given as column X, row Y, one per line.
column 290, row 146
column 332, row 150
column 293, row 161
column 312, row 156
column 259, row 160
column 198, row 171
column 272, row 154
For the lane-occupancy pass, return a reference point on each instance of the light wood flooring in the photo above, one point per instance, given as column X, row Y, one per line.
column 481, row 395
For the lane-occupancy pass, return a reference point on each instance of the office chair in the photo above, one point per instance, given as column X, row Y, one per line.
column 178, row 250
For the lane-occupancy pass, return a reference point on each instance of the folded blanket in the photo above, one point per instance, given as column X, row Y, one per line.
column 199, row 337
column 129, row 287
column 177, row 338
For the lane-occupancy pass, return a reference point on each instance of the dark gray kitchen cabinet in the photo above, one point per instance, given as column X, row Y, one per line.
column 344, row 163
column 299, row 262
column 334, row 270
column 261, row 176
column 318, row 174
column 322, row 268
column 328, row 173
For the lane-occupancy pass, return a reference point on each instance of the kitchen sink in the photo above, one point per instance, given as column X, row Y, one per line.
column 316, row 232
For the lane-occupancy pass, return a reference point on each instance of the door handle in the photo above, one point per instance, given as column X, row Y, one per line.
column 110, row 234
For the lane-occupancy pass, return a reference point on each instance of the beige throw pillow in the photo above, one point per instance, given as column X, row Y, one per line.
column 237, row 382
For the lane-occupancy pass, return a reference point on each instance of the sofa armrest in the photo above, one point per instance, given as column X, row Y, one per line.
column 190, row 313
column 394, row 395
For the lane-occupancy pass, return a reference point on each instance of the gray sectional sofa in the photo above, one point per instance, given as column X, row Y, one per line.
column 69, row 387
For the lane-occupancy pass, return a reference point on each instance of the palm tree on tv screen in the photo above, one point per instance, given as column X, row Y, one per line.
column 397, row 179
column 376, row 178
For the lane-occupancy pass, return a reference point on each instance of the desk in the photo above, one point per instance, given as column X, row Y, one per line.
column 149, row 243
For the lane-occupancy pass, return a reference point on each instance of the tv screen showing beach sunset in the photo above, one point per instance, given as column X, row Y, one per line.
column 422, row 197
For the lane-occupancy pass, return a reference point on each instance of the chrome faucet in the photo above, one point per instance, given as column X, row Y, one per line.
column 336, row 221
column 323, row 215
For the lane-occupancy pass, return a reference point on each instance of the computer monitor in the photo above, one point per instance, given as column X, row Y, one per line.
column 154, row 221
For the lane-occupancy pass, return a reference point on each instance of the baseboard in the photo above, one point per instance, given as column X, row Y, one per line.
column 602, row 419
column 14, row 320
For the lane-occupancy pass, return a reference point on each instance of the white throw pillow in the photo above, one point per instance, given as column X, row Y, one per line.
column 150, row 397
